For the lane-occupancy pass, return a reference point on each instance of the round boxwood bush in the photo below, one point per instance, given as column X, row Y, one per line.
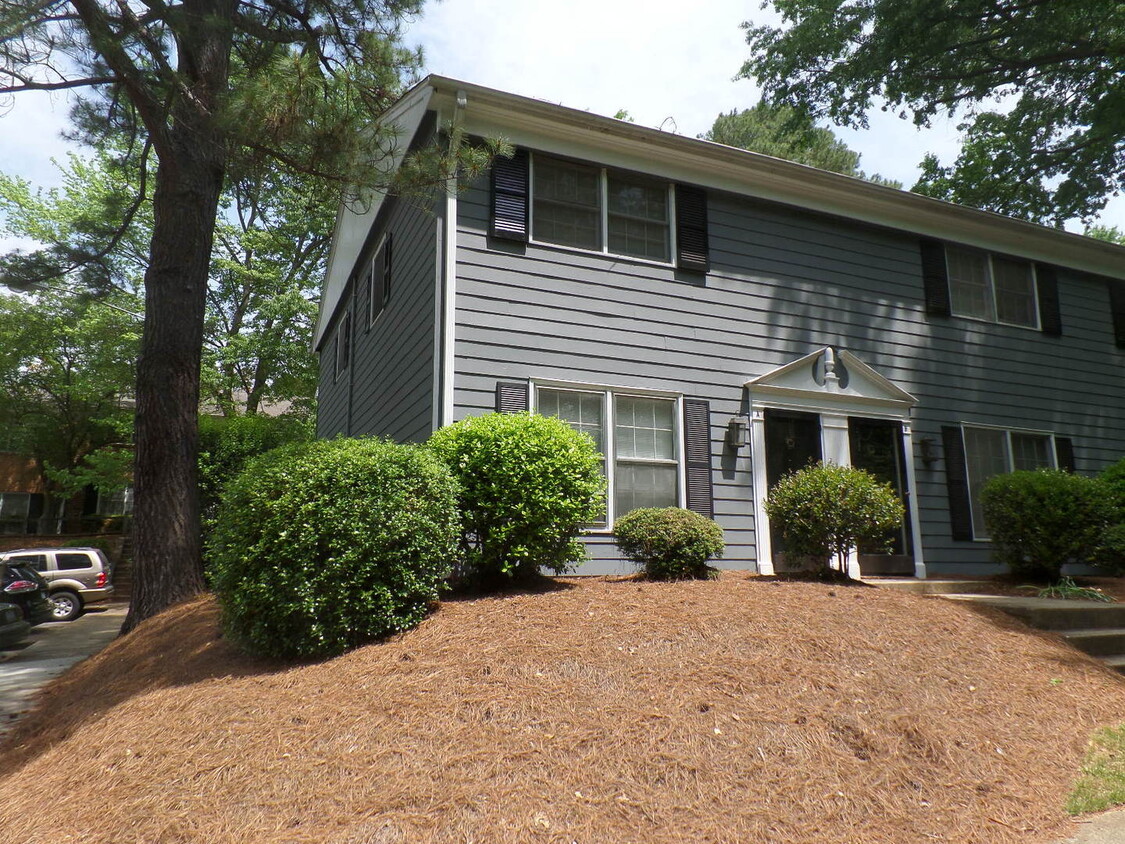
column 322, row 546
column 528, row 485
column 1114, row 477
column 1040, row 520
column 670, row 543
column 824, row 511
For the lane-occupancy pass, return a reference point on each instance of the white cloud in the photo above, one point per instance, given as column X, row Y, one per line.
column 657, row 59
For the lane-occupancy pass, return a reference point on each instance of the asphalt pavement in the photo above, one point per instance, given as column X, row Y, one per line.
column 51, row 649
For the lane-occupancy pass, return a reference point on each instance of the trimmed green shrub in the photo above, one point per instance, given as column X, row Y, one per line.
column 1114, row 477
column 226, row 443
column 1111, row 550
column 528, row 485
column 102, row 543
column 824, row 511
column 1040, row 520
column 322, row 546
column 669, row 542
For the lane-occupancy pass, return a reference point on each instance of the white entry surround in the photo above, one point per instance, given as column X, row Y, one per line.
column 834, row 384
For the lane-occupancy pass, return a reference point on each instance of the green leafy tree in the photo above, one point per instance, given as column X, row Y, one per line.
column 210, row 90
column 790, row 133
column 65, row 364
column 824, row 511
column 1052, row 152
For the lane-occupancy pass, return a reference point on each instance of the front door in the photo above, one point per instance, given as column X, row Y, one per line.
column 792, row 443
column 876, row 447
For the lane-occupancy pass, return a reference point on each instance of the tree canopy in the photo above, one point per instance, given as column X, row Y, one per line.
column 66, row 362
column 210, row 90
column 1040, row 84
column 791, row 133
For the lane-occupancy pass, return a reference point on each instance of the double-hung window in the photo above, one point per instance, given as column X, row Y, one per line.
column 343, row 343
column 991, row 287
column 638, row 437
column 601, row 210
column 996, row 451
column 378, row 281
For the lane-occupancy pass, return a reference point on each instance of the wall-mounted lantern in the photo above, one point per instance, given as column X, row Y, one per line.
column 736, row 432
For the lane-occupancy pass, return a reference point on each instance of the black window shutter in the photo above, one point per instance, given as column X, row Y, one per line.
column 510, row 197
column 692, row 248
column 511, row 397
column 1047, row 282
column 697, row 442
column 1117, row 308
column 1064, row 453
column 935, row 278
column 957, row 483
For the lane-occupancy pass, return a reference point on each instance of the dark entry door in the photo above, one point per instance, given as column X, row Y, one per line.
column 876, row 447
column 792, row 443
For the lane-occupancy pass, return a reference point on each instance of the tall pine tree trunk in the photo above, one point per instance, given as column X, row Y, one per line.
column 167, row 561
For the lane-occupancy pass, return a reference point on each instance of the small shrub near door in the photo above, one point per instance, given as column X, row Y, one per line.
column 824, row 511
column 528, row 485
column 322, row 546
column 669, row 543
column 1039, row 521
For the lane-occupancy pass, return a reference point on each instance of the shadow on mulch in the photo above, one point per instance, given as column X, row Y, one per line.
column 180, row 647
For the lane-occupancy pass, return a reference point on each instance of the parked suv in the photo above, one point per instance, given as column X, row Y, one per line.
column 75, row 576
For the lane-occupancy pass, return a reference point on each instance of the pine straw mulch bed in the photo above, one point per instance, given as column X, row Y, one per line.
column 597, row 711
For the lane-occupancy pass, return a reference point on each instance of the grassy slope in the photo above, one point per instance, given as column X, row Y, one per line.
column 602, row 711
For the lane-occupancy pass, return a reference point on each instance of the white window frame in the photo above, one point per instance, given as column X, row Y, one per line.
column 603, row 212
column 989, row 256
column 345, row 321
column 609, row 438
column 372, row 314
column 1052, row 454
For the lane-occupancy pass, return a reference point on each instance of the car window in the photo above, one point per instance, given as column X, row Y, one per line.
column 35, row 561
column 69, row 562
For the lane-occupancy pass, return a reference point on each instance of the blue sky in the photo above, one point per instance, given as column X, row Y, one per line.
column 669, row 64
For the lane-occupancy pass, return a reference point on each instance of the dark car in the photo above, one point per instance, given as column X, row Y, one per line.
column 13, row 629
column 27, row 589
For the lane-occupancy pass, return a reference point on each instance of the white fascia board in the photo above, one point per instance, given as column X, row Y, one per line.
column 354, row 220
column 565, row 131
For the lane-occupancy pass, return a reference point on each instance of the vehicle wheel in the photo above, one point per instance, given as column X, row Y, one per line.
column 65, row 606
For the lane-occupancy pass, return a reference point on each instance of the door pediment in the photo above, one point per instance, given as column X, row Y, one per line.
column 833, row 381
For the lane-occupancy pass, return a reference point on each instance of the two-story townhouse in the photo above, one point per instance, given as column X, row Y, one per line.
column 715, row 318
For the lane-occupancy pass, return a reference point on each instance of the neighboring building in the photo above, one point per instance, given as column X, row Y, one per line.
column 715, row 318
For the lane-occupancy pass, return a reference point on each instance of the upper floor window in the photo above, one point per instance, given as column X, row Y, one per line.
column 991, row 287
column 602, row 210
column 343, row 343
column 996, row 451
column 378, row 280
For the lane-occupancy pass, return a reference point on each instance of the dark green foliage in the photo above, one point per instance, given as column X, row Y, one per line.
column 528, row 485
column 824, row 511
column 1052, row 153
column 227, row 443
column 669, row 542
column 1114, row 477
column 790, row 133
column 1041, row 520
column 326, row 545
column 1111, row 551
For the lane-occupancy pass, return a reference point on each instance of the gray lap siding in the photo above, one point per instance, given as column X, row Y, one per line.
column 782, row 283
column 392, row 367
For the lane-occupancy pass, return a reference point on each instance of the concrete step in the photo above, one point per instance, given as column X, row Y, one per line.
column 930, row 586
column 1115, row 662
column 1104, row 642
column 1053, row 614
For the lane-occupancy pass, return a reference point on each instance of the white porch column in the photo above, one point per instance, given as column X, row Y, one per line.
column 912, row 486
column 761, row 489
column 837, row 449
